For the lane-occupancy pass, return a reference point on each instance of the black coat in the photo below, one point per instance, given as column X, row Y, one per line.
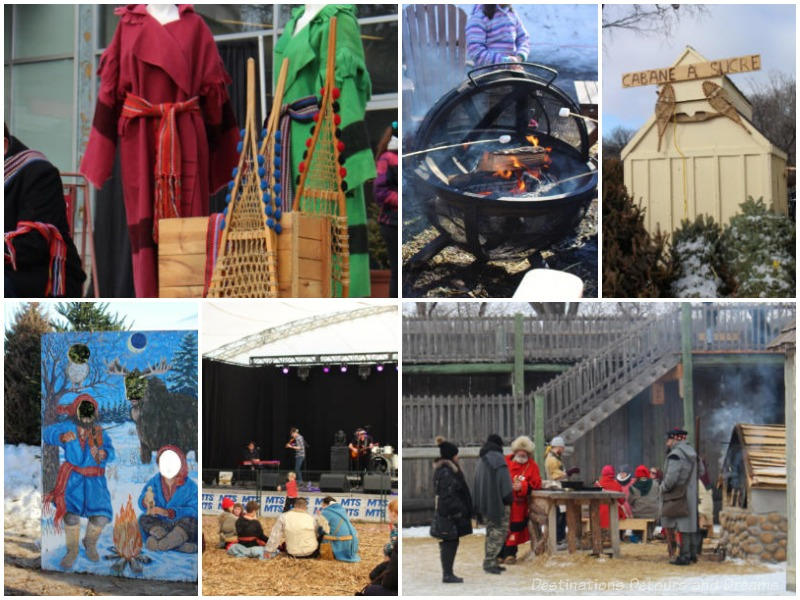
column 453, row 501
column 36, row 194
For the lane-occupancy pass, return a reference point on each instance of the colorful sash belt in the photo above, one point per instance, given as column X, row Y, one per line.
column 56, row 279
column 57, row 495
column 168, row 152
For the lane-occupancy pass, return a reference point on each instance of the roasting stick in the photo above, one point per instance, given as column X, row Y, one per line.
column 503, row 139
column 565, row 112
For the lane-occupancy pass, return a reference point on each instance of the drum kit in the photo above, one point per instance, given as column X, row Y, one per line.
column 383, row 460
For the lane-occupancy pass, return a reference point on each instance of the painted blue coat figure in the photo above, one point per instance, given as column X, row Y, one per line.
column 169, row 505
column 81, row 489
column 343, row 537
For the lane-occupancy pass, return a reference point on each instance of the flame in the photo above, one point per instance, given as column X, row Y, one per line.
column 504, row 173
column 127, row 537
column 533, row 140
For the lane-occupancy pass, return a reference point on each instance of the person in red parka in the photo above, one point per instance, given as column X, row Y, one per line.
column 524, row 479
column 609, row 483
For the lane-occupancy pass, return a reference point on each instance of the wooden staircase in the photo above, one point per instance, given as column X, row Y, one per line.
column 583, row 396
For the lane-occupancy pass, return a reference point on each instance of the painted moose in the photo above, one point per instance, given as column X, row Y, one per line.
column 162, row 417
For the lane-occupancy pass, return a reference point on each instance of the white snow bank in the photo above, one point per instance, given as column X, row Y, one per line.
column 22, row 483
column 425, row 532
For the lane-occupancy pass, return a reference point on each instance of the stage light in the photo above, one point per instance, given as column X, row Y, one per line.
column 343, row 368
column 326, row 369
column 285, row 370
column 364, row 371
column 379, row 368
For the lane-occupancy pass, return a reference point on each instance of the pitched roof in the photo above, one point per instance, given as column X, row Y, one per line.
column 764, row 454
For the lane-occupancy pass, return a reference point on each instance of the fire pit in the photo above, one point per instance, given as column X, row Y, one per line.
column 504, row 169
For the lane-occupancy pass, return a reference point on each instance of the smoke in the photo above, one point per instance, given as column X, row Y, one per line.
column 746, row 395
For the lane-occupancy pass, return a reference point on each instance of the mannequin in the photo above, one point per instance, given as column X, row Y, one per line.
column 164, row 13
column 163, row 100
column 311, row 11
column 304, row 43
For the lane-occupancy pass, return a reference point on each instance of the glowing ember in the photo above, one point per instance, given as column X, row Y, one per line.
column 127, row 537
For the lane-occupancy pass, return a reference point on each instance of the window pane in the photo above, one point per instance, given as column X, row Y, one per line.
column 233, row 18
column 44, row 30
column 285, row 13
column 108, row 24
column 8, row 11
column 375, row 10
column 43, row 111
column 380, row 50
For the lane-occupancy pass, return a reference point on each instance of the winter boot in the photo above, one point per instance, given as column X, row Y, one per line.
column 684, row 558
column 452, row 579
column 90, row 541
column 174, row 539
column 73, row 535
column 188, row 547
column 493, row 569
column 697, row 545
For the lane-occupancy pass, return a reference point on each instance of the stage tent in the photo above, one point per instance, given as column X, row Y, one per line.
column 261, row 402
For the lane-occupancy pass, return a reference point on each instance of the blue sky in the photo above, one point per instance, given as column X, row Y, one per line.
column 141, row 314
column 727, row 31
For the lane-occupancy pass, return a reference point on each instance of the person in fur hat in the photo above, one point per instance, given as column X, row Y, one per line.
column 525, row 478
column 452, row 516
column 81, row 489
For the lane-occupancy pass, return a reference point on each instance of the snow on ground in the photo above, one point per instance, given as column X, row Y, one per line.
column 22, row 486
column 643, row 570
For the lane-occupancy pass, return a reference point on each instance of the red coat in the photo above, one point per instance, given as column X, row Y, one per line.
column 167, row 63
column 612, row 485
column 528, row 476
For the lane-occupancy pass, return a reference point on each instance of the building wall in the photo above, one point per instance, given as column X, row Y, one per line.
column 723, row 165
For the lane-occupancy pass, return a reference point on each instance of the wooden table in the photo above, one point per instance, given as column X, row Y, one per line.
column 574, row 501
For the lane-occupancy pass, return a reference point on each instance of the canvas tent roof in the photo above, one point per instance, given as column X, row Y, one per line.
column 228, row 321
column 764, row 454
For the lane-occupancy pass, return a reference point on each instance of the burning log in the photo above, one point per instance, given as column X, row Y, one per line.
column 507, row 161
column 127, row 548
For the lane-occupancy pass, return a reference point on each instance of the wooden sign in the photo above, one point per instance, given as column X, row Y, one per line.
column 714, row 68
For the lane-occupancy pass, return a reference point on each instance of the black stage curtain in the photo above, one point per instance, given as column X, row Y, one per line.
column 241, row 403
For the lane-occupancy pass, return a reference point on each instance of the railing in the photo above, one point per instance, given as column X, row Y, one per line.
column 465, row 420
column 631, row 346
column 491, row 339
column 738, row 327
column 587, row 384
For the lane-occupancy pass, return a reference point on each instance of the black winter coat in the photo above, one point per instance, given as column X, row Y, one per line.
column 453, row 501
column 36, row 194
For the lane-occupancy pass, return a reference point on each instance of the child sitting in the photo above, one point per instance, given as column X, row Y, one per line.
column 227, row 524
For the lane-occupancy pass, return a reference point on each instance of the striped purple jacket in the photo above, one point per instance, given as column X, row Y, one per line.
column 494, row 41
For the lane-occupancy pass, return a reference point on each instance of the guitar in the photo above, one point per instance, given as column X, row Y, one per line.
column 359, row 450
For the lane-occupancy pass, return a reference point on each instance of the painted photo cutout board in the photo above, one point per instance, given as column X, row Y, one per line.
column 119, row 453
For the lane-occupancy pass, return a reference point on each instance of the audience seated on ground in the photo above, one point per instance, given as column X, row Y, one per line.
column 297, row 532
column 341, row 542
column 251, row 539
column 383, row 578
column 227, row 524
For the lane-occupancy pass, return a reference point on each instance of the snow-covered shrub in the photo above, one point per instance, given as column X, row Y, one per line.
column 759, row 249
column 697, row 259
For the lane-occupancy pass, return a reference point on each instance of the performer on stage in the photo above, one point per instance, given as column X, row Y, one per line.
column 298, row 444
column 360, row 450
column 250, row 454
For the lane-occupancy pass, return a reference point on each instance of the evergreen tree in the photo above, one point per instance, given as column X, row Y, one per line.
column 88, row 316
column 22, row 375
column 182, row 377
column 700, row 270
column 759, row 247
column 635, row 264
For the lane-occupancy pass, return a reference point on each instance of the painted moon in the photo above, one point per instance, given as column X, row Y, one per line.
column 137, row 342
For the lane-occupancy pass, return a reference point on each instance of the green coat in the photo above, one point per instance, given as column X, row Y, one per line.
column 307, row 54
